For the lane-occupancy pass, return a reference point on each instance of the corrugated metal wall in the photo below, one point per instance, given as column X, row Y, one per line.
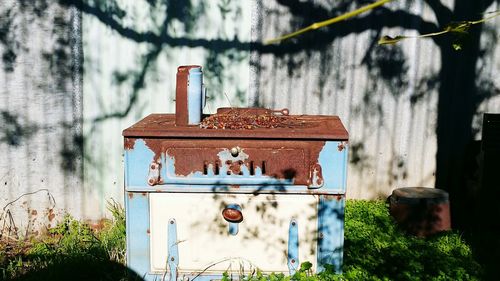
column 40, row 114
column 386, row 95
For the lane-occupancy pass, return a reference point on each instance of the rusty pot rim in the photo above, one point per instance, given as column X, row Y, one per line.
column 409, row 195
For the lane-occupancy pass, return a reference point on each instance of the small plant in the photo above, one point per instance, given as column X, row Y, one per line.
column 112, row 237
column 72, row 248
column 375, row 249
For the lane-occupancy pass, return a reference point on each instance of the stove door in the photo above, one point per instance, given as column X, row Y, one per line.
column 234, row 233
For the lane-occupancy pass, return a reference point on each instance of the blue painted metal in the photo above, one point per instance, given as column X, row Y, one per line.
column 223, row 188
column 333, row 162
column 293, row 247
column 137, row 163
column 330, row 232
column 195, row 95
column 173, row 249
column 233, row 226
column 137, row 230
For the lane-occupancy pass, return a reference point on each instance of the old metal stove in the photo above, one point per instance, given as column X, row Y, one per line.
column 242, row 190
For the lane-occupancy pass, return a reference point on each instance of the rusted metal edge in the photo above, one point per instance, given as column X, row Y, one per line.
column 226, row 189
column 163, row 125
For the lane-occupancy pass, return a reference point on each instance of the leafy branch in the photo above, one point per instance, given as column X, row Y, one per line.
column 460, row 29
column 321, row 24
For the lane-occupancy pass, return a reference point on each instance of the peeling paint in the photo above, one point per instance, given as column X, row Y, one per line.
column 129, row 143
column 342, row 145
column 316, row 176
column 290, row 161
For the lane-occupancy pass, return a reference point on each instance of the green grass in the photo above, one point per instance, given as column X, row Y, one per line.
column 375, row 249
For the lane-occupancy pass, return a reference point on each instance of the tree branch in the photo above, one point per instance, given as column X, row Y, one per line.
column 443, row 14
column 378, row 19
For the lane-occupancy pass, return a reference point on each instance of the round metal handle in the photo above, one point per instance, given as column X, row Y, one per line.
column 232, row 213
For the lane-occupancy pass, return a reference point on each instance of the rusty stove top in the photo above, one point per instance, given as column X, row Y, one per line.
column 320, row 127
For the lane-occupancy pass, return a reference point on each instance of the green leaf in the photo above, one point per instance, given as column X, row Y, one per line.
column 388, row 40
column 457, row 46
column 225, row 276
column 305, row 266
column 461, row 27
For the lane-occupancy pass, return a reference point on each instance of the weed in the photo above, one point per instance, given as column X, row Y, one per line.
column 71, row 250
column 375, row 249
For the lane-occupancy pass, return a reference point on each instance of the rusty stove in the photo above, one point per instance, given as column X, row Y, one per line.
column 241, row 190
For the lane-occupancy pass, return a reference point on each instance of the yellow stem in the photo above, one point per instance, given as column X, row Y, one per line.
column 447, row 30
column 431, row 34
column 328, row 22
column 495, row 14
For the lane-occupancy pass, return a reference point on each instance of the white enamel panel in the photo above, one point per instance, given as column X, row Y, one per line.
column 205, row 243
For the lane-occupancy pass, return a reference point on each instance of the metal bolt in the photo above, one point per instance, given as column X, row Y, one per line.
column 235, row 151
column 172, row 259
column 171, row 222
column 321, row 235
column 292, row 261
column 151, row 181
column 153, row 166
column 293, row 223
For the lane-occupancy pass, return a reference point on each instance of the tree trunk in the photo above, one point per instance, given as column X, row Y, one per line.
column 458, row 102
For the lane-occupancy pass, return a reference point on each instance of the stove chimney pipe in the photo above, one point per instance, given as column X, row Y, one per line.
column 189, row 95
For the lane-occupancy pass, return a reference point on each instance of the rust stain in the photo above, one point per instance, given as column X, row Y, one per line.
column 331, row 197
column 130, row 195
column 234, row 166
column 290, row 160
column 144, row 194
column 51, row 215
column 234, row 186
column 317, row 175
column 342, row 145
column 155, row 145
column 34, row 212
column 148, row 231
column 129, row 143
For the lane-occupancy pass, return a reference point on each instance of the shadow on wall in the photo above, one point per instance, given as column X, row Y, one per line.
column 12, row 131
column 62, row 61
